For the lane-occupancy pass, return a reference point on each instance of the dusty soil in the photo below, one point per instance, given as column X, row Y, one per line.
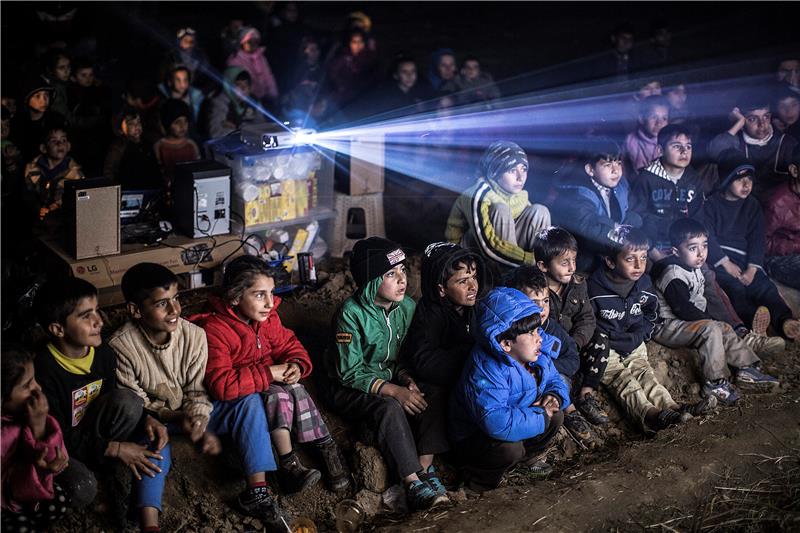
column 735, row 470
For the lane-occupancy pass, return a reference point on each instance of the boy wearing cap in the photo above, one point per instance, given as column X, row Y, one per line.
column 495, row 215
column 368, row 383
column 175, row 147
column 736, row 221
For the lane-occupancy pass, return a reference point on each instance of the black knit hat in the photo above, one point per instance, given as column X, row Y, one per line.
column 500, row 157
column 733, row 165
column 374, row 257
column 172, row 110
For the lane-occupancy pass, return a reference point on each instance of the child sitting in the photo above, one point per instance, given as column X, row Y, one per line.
column 175, row 147
column 474, row 85
column 668, row 189
column 368, row 384
column 45, row 175
column 162, row 358
column 507, row 404
column 531, row 281
column 494, row 215
column 641, row 146
column 250, row 57
column 594, row 202
column 250, row 351
column 32, row 450
column 130, row 161
column 626, row 308
column 736, row 224
column 440, row 339
column 783, row 229
column 681, row 287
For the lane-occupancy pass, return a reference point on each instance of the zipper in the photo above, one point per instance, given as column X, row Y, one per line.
column 389, row 343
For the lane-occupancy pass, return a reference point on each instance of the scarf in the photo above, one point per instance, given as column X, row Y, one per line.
column 758, row 142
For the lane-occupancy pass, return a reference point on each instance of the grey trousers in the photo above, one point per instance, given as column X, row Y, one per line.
column 520, row 230
column 715, row 341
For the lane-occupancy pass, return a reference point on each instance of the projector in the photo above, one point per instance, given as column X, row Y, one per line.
column 271, row 137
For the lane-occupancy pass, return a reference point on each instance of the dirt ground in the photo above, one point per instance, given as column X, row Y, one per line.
column 735, row 470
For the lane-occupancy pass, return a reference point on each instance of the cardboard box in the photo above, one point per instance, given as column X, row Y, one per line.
column 366, row 163
column 180, row 255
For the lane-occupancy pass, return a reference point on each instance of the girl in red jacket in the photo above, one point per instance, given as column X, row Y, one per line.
column 32, row 448
column 249, row 350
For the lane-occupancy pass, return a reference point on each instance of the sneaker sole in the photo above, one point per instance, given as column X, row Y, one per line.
column 761, row 321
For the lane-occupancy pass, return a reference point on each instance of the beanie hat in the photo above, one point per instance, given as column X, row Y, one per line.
column 172, row 110
column 733, row 165
column 33, row 84
column 374, row 257
column 500, row 157
column 248, row 32
column 184, row 32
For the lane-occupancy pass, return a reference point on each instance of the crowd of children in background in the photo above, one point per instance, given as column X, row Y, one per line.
column 526, row 308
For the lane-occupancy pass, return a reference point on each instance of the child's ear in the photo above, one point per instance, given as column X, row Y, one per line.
column 43, row 148
column 674, row 251
column 56, row 329
column 505, row 344
column 589, row 169
column 441, row 290
column 609, row 263
column 235, row 302
column 134, row 310
column 541, row 266
column 794, row 170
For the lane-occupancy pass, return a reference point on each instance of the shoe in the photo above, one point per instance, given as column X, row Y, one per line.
column 589, row 408
column 763, row 345
column 752, row 375
column 700, row 408
column 336, row 474
column 722, row 390
column 578, row 426
column 791, row 328
column 538, row 469
column 666, row 418
column 421, row 495
column 431, row 478
column 760, row 321
column 258, row 503
column 294, row 477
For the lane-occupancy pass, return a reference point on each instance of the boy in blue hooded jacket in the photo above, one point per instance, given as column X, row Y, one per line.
column 507, row 404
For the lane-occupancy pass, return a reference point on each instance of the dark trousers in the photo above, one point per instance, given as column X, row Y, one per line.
column 114, row 416
column 401, row 437
column 485, row 459
column 594, row 359
column 746, row 299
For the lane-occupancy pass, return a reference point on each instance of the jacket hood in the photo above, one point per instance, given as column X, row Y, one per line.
column 600, row 277
column 501, row 308
column 438, row 258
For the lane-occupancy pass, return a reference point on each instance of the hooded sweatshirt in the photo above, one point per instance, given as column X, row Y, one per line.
column 368, row 339
column 738, row 231
column 240, row 353
column 495, row 393
column 641, row 149
column 440, row 338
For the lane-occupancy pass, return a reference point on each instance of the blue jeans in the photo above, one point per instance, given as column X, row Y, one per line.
column 244, row 419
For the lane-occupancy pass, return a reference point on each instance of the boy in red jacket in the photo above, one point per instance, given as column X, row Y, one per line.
column 249, row 351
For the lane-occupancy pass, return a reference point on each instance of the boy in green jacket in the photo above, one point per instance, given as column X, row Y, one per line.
column 366, row 382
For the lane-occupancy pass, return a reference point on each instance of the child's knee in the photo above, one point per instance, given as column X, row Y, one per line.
column 508, row 454
column 128, row 405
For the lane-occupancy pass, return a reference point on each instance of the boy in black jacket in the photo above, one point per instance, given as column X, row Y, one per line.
column 626, row 307
column 668, row 189
column 77, row 373
column 440, row 338
column 686, row 322
column 531, row 281
column 556, row 253
column 737, row 245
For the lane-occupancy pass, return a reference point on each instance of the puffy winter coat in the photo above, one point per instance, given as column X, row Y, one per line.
column 495, row 392
column 783, row 222
column 240, row 354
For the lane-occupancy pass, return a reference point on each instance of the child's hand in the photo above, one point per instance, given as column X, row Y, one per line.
column 278, row 372
column 55, row 466
column 412, row 401
column 36, row 410
column 155, row 429
column 747, row 276
column 736, row 115
column 137, row 458
column 732, row 269
column 292, row 374
column 211, row 444
column 194, row 426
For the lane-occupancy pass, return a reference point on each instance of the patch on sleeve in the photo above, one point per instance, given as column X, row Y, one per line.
column 344, row 338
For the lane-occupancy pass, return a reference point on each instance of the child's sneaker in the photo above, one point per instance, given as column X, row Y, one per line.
column 294, row 476
column 538, row 469
column 337, row 476
column 763, row 345
column 421, row 496
column 589, row 407
column 431, row 478
column 258, row 503
column 752, row 375
column 578, row 426
column 696, row 409
column 664, row 419
column 722, row 390
column 761, row 321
